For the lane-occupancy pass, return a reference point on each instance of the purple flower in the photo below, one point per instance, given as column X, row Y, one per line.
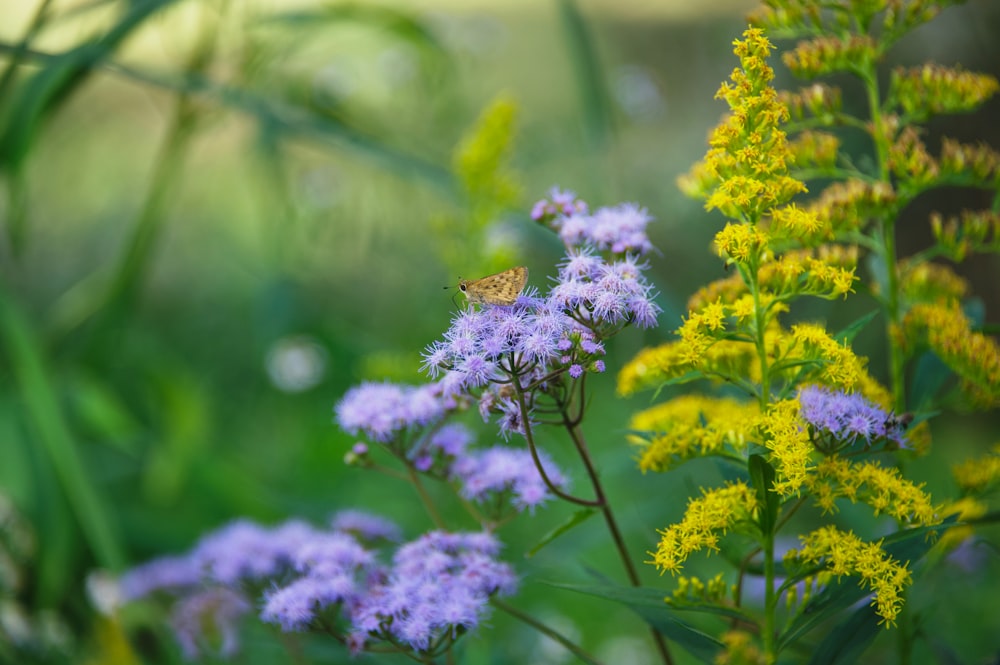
column 847, row 418
column 499, row 469
column 384, row 410
column 366, row 526
column 621, row 229
column 559, row 204
column 437, row 583
column 452, row 439
column 169, row 573
column 212, row 612
column 245, row 550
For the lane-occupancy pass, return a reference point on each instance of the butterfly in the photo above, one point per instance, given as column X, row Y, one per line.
column 502, row 288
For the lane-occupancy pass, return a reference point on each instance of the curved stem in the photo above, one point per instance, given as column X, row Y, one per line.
column 612, row 523
column 425, row 497
column 530, row 438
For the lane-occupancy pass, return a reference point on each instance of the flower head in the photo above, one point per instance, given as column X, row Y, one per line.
column 848, row 418
column 500, row 470
column 384, row 410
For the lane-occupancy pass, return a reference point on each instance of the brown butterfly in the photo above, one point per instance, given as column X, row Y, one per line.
column 502, row 288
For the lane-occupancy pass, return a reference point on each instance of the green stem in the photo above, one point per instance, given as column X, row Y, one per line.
column 770, row 601
column 887, row 229
column 425, row 498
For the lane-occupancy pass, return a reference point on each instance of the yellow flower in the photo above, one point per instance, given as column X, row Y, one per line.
column 975, row 357
column 935, row 89
column 787, row 440
column 740, row 649
column 979, row 475
column 713, row 513
column 846, row 554
column 975, row 231
column 882, row 488
column 691, row 426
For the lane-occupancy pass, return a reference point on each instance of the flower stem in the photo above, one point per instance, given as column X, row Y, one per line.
column 609, row 518
column 425, row 497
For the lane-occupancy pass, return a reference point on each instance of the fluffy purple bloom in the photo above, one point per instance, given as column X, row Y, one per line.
column 169, row 573
column 848, row 418
column 500, row 469
column 384, row 410
column 621, row 229
column 212, row 612
column 245, row 550
column 366, row 526
column 559, row 204
column 452, row 439
column 436, row 584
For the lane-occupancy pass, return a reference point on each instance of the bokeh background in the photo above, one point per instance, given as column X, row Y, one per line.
column 219, row 215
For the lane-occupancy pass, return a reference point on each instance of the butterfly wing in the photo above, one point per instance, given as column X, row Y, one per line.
column 502, row 288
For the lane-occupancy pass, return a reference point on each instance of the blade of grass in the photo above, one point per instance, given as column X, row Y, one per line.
column 43, row 412
column 594, row 98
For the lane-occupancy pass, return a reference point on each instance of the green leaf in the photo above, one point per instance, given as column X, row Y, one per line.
column 574, row 520
column 846, row 642
column 851, row 331
column 43, row 412
column 62, row 75
column 595, row 99
column 649, row 604
column 762, row 479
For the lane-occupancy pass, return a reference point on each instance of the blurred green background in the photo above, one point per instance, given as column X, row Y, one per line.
column 218, row 216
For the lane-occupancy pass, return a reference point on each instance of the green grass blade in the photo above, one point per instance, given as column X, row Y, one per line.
column 42, row 411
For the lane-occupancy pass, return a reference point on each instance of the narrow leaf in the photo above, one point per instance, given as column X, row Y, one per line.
column 851, row 331
column 574, row 520
column 762, row 478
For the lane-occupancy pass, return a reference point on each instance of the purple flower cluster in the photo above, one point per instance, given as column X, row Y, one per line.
column 215, row 611
column 847, row 418
column 438, row 584
column 559, row 204
column 489, row 344
column 620, row 229
column 241, row 550
column 382, row 411
column 499, row 470
column 601, row 293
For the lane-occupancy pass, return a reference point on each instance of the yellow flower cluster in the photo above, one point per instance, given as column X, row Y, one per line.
column 481, row 158
column 706, row 518
column 980, row 475
column 961, row 161
column 673, row 432
column 815, row 150
column 882, row 488
column 966, row 508
column 848, row 206
column 934, row 89
column 846, row 554
column 782, row 432
column 841, row 368
column 929, row 282
column 801, row 224
column 828, row 269
column 975, row 231
column 740, row 649
column 819, row 100
column 909, row 161
column 748, row 158
column 693, row 590
column 825, row 55
column 741, row 243
column 973, row 356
